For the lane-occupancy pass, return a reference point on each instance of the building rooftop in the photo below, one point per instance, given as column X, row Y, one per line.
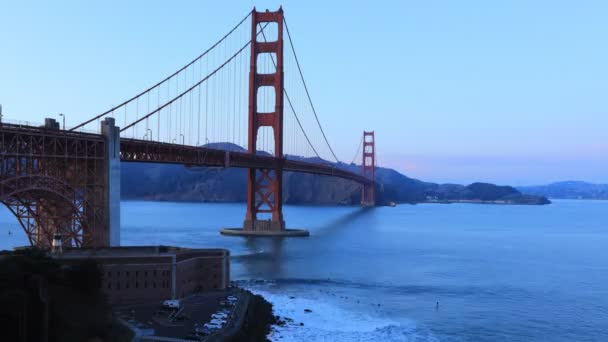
column 139, row 251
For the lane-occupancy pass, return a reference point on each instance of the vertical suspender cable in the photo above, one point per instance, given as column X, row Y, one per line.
column 306, row 89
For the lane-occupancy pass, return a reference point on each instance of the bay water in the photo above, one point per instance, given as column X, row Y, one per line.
column 429, row 272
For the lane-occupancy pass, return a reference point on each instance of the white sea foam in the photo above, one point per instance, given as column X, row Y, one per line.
column 329, row 321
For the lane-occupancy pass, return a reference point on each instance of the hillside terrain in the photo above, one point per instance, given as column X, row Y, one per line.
column 568, row 190
column 166, row 182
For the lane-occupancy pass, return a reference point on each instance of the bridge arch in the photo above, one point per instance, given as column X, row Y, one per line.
column 45, row 205
column 23, row 217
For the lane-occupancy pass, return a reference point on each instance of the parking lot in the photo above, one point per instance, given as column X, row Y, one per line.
column 194, row 312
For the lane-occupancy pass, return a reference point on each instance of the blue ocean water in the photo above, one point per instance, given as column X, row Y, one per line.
column 431, row 272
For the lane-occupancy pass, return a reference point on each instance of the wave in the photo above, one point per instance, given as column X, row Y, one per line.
column 386, row 333
column 394, row 289
column 329, row 321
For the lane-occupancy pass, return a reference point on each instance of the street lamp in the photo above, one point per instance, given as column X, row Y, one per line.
column 63, row 117
column 149, row 130
column 183, row 139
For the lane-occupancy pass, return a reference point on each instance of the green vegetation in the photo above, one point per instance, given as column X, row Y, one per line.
column 40, row 297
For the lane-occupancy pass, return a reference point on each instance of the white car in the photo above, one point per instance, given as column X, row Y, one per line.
column 172, row 303
column 211, row 327
column 219, row 315
column 217, row 321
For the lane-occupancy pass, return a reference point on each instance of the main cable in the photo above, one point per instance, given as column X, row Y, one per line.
column 188, row 90
column 357, row 153
column 290, row 104
column 167, row 78
column 192, row 87
column 306, row 89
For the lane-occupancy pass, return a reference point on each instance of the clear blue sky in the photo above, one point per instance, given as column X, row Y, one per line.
column 511, row 92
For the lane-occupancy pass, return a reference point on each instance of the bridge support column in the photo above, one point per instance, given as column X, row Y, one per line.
column 111, row 134
column 368, row 167
column 265, row 186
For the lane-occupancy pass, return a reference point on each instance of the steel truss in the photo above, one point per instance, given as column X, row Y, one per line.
column 53, row 182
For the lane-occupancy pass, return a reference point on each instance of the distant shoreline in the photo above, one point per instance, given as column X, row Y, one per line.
column 496, row 202
column 578, row 190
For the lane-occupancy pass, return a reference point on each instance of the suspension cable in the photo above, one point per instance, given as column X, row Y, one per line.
column 357, row 153
column 189, row 89
column 193, row 86
column 306, row 89
column 167, row 78
column 290, row 104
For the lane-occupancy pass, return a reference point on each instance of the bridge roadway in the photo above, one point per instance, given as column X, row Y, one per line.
column 135, row 150
column 144, row 151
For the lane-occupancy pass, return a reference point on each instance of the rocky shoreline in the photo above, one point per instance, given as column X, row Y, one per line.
column 256, row 323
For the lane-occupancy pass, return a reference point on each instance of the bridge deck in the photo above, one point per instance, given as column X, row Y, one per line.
column 143, row 151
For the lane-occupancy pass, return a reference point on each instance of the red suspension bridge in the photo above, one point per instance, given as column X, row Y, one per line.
column 233, row 106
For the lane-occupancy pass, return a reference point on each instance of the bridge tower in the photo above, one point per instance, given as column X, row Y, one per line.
column 368, row 168
column 265, row 186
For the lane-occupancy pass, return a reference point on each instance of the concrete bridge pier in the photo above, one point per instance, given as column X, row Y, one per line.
column 111, row 134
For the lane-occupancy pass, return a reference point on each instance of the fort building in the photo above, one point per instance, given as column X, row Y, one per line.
column 154, row 273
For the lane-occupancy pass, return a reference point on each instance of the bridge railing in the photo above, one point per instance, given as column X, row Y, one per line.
column 34, row 124
column 21, row 123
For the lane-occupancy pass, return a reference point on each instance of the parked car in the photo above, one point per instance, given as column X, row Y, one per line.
column 219, row 321
column 203, row 330
column 211, row 327
column 226, row 303
column 172, row 303
column 219, row 315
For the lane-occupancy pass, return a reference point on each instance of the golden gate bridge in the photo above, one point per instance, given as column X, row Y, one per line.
column 243, row 102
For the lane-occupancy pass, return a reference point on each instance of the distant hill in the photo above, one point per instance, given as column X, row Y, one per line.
column 167, row 182
column 568, row 190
